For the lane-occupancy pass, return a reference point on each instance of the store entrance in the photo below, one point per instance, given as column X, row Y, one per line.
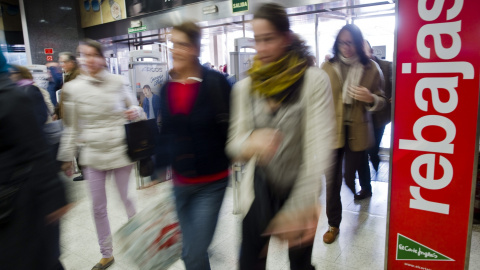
column 317, row 24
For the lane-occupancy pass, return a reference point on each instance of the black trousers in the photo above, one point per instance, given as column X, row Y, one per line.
column 373, row 152
column 354, row 161
column 254, row 246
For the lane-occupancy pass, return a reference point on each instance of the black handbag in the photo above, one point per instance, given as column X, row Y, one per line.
column 146, row 167
column 140, row 138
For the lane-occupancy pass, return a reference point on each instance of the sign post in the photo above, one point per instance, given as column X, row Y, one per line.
column 434, row 145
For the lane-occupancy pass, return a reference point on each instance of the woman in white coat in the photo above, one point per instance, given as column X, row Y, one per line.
column 96, row 106
column 282, row 123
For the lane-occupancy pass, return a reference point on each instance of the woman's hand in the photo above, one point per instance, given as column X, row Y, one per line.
column 297, row 228
column 67, row 168
column 264, row 143
column 57, row 214
column 132, row 114
column 360, row 93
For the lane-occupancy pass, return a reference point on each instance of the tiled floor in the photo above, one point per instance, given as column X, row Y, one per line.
column 360, row 244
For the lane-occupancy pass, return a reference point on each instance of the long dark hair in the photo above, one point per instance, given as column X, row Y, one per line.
column 277, row 16
column 357, row 42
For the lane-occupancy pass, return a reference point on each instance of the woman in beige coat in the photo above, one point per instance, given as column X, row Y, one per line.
column 282, row 124
column 97, row 104
column 356, row 85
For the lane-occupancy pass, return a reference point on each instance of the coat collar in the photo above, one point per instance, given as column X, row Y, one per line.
column 100, row 78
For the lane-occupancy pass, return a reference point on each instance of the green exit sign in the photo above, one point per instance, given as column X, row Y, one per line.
column 137, row 29
column 239, row 5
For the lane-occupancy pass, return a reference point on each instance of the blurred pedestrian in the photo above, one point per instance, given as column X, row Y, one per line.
column 382, row 117
column 356, row 85
column 32, row 196
column 55, row 81
column 97, row 105
column 282, row 124
column 195, row 112
column 44, row 109
column 22, row 77
column 71, row 70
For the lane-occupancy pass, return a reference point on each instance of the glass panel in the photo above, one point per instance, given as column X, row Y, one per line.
column 328, row 27
column 379, row 31
column 304, row 26
column 16, row 58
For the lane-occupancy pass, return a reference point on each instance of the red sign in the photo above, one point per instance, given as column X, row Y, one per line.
column 48, row 50
column 434, row 138
column 49, row 57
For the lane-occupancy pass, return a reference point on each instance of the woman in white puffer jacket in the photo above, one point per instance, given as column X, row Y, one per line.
column 97, row 104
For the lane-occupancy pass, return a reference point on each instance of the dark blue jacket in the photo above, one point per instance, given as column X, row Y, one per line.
column 194, row 144
column 156, row 106
column 55, row 83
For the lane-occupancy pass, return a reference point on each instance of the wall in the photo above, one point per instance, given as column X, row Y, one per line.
column 168, row 18
column 52, row 24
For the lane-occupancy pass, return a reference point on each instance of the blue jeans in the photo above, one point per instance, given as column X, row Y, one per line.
column 198, row 206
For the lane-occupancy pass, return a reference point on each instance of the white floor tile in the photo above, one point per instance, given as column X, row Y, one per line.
column 360, row 244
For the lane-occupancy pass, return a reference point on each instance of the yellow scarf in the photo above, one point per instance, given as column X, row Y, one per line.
column 272, row 79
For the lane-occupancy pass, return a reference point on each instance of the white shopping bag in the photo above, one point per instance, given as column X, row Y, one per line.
column 152, row 238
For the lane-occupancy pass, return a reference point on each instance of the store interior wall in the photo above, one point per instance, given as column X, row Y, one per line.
column 52, row 24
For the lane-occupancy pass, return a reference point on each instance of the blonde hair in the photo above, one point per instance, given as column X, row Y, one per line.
column 23, row 71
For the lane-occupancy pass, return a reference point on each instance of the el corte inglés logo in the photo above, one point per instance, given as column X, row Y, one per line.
column 408, row 249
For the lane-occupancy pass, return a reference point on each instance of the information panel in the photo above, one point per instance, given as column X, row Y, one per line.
column 434, row 138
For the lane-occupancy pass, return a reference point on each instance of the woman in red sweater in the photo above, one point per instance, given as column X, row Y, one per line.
column 195, row 113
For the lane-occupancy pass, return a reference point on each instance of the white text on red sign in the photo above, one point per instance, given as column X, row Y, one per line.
column 450, row 83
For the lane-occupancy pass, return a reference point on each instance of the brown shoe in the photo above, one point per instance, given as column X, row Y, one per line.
column 104, row 263
column 330, row 236
column 362, row 194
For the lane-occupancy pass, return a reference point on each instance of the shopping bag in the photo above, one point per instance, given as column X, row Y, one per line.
column 152, row 239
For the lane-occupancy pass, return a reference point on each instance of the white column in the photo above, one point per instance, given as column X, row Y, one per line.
column 25, row 32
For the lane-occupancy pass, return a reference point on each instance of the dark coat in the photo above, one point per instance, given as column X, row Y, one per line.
column 39, row 106
column 195, row 143
column 383, row 117
column 26, row 241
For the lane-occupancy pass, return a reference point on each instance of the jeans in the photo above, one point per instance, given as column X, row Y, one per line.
column 198, row 206
column 96, row 183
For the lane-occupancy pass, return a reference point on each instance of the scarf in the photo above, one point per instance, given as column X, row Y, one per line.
column 271, row 80
column 355, row 74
